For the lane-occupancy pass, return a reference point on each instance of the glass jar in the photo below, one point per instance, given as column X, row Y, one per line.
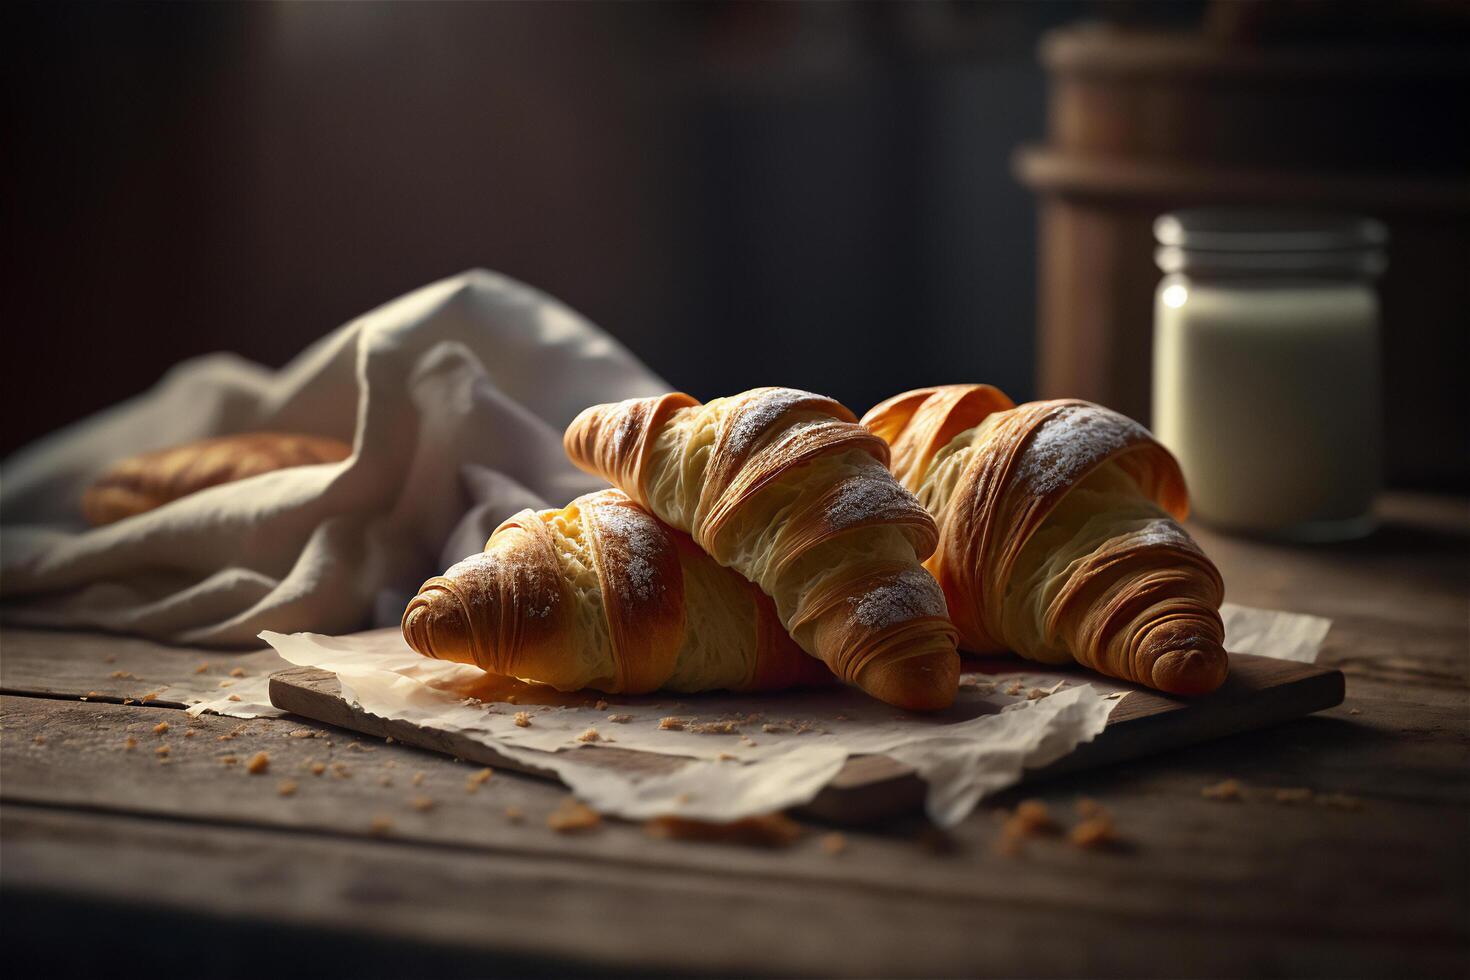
column 1266, row 368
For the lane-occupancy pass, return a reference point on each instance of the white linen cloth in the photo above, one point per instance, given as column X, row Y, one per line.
column 454, row 398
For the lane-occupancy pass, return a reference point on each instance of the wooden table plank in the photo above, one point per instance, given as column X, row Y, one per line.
column 117, row 668
column 1202, row 887
column 572, row 909
column 1258, row 868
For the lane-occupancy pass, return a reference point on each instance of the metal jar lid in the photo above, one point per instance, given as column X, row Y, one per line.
column 1255, row 242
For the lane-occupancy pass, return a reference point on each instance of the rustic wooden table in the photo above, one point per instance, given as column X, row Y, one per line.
column 115, row 853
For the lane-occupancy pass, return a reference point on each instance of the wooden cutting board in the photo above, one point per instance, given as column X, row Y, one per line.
column 1260, row 692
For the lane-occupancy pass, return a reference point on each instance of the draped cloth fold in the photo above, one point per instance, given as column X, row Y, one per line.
column 454, row 398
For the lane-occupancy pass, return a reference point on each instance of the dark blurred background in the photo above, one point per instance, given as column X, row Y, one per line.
column 821, row 195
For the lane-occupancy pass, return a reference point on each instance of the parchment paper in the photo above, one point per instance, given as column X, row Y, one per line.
column 756, row 754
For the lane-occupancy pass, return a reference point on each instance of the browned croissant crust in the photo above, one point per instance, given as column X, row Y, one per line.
column 786, row 488
column 141, row 483
column 1059, row 535
column 600, row 594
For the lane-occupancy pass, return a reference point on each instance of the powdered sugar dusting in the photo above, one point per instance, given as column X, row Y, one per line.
column 638, row 541
column 483, row 573
column 912, row 594
column 869, row 497
column 1162, row 532
column 1069, row 441
column 758, row 413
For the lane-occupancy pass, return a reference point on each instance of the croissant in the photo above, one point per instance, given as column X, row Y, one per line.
column 141, row 483
column 1059, row 535
column 600, row 595
column 786, row 488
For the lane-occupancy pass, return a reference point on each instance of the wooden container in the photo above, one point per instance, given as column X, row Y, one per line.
column 1142, row 123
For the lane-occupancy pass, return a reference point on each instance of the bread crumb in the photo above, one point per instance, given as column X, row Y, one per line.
column 620, row 719
column 1031, row 818
column 110, row 659
column 418, row 779
column 129, row 744
column 1016, row 688
column 834, row 843
column 340, row 770
column 161, row 750
column 770, row 830
column 523, row 719
column 671, row 724
column 423, row 804
column 601, row 705
column 190, row 733
column 1293, row 795
column 1225, row 790
column 388, row 740
column 238, row 672
column 1094, row 833
column 160, row 728
column 224, row 684
column 302, row 733
column 590, row 735
column 381, row 825
column 573, row 816
column 775, row 728
column 233, row 697
column 202, row 668
column 726, row 757
column 1340, row 801
column 228, row 760
column 39, row 740
column 123, row 675
column 515, row 814
column 259, row 763
column 475, row 780
column 1354, row 711
column 317, row 768
column 723, row 727
column 286, row 787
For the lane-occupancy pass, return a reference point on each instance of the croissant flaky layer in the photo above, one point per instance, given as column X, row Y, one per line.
column 1059, row 535
column 787, row 489
column 141, row 483
column 600, row 594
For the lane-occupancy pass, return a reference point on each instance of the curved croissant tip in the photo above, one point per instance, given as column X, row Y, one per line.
column 1190, row 671
column 928, row 682
column 416, row 625
column 436, row 624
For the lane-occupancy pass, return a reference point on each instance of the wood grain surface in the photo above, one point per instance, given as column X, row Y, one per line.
column 1362, row 868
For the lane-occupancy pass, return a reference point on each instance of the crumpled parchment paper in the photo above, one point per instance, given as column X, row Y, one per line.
column 745, row 754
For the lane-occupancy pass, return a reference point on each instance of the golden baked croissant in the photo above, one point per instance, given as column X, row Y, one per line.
column 1058, row 534
column 786, row 488
column 601, row 595
column 141, row 483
